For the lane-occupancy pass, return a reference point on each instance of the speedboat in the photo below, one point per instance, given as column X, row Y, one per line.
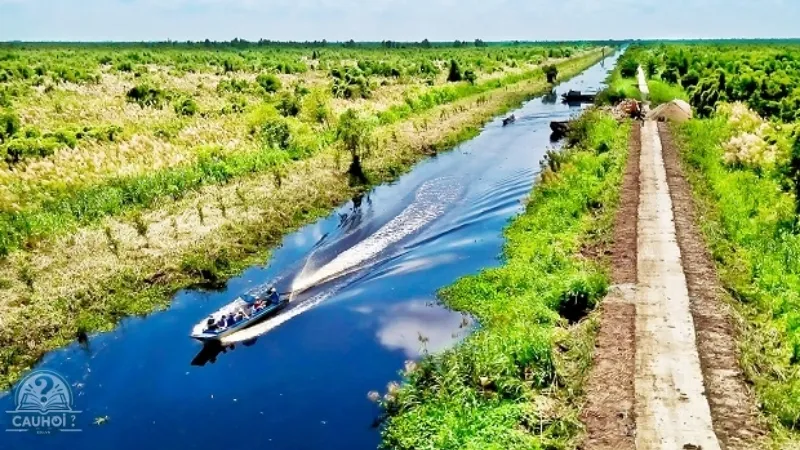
column 251, row 308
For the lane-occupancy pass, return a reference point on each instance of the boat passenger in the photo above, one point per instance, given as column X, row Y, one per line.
column 221, row 323
column 230, row 321
column 273, row 295
column 211, row 324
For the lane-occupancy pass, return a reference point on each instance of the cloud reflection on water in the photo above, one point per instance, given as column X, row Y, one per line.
column 420, row 325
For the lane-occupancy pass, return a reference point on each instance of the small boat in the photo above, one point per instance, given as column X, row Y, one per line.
column 577, row 97
column 559, row 128
column 509, row 120
column 254, row 306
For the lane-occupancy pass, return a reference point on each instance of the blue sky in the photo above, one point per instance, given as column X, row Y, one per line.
column 406, row 20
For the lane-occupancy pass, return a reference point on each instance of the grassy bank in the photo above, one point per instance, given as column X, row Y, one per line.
column 517, row 380
column 87, row 279
column 750, row 222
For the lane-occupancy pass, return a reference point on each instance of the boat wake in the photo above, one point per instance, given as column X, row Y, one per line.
column 431, row 200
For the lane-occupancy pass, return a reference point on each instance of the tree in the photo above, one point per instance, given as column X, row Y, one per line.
column 455, row 72
column 551, row 71
column 355, row 135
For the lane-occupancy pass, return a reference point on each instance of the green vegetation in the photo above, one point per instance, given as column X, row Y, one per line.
column 622, row 83
column 516, row 382
column 277, row 141
column 765, row 76
column 743, row 161
column 663, row 92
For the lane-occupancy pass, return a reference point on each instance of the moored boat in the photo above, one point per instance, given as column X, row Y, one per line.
column 577, row 97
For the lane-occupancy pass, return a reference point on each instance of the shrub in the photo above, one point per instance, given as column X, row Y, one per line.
column 454, row 74
column 288, row 105
column 9, row 125
column 21, row 148
column 185, row 107
column 470, row 76
column 354, row 134
column 628, row 67
column 275, row 132
column 315, row 107
column 269, row 82
column 146, row 95
column 551, row 71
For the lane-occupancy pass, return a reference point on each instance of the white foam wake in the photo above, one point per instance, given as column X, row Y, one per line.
column 431, row 201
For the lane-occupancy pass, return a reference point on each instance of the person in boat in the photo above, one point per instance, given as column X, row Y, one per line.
column 273, row 295
column 211, row 324
column 258, row 305
column 230, row 320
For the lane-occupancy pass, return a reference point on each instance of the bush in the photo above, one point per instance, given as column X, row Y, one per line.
column 628, row 67
column 235, row 86
column 454, row 74
column 9, row 125
column 269, row 82
column 275, row 133
column 551, row 71
column 185, row 107
column 146, row 95
column 470, row 76
column 355, row 135
column 288, row 105
column 21, row 148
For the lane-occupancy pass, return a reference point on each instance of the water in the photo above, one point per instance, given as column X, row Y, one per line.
column 299, row 380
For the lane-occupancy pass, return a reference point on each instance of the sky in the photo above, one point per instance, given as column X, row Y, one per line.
column 399, row 20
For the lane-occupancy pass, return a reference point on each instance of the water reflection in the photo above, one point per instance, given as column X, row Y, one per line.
column 212, row 349
column 421, row 326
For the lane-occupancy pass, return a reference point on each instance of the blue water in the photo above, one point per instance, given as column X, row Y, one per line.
column 303, row 383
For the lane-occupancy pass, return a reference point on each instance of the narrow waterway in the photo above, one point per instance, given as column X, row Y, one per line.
column 300, row 380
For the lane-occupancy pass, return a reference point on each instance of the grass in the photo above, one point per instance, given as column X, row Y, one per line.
column 517, row 381
column 749, row 222
column 66, row 209
column 663, row 92
column 99, row 274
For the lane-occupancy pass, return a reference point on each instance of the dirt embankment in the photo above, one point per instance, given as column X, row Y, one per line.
column 733, row 409
column 609, row 411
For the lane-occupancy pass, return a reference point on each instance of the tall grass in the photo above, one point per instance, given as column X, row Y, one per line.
column 663, row 92
column 506, row 386
column 750, row 224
